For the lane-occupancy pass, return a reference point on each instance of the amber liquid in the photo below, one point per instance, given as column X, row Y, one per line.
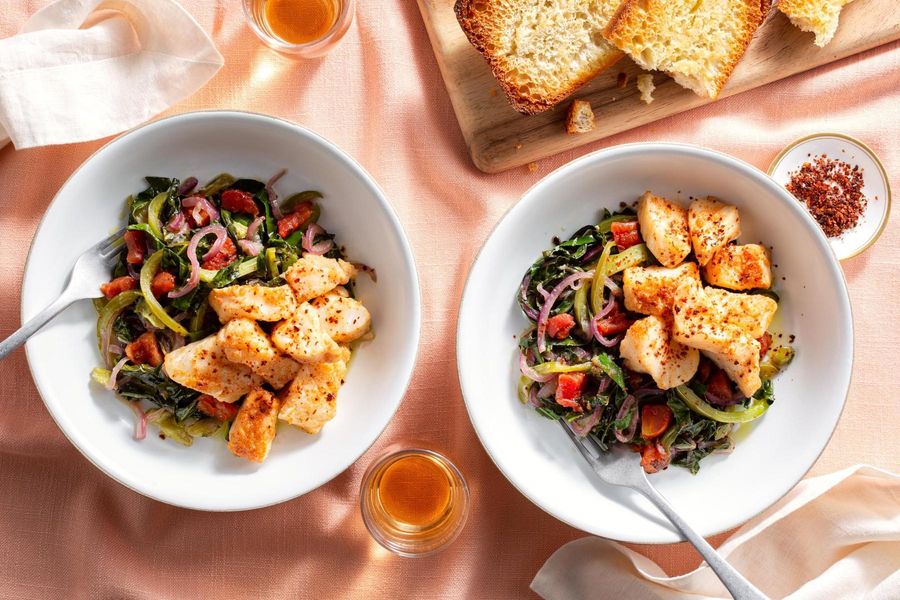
column 414, row 501
column 297, row 21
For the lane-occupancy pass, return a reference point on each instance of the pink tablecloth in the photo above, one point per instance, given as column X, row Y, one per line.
column 68, row 531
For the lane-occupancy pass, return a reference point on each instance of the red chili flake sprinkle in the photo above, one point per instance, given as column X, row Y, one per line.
column 832, row 191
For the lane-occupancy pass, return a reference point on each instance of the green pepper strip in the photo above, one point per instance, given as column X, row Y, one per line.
column 297, row 199
column 272, row 262
column 598, row 284
column 776, row 359
column 112, row 309
column 581, row 309
column 605, row 225
column 150, row 268
column 756, row 409
column 153, row 213
column 523, row 388
column 630, row 257
column 557, row 367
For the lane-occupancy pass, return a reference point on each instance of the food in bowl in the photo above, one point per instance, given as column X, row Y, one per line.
column 651, row 329
column 229, row 311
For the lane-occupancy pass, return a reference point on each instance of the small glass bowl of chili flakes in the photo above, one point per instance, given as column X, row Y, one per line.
column 843, row 186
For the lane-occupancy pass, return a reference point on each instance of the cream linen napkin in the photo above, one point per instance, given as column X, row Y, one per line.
column 833, row 537
column 85, row 69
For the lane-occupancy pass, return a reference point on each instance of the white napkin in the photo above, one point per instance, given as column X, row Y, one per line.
column 835, row 536
column 85, row 69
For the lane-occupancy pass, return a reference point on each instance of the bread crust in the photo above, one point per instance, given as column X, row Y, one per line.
column 478, row 30
column 629, row 12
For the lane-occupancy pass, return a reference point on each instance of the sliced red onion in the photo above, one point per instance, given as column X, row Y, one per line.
column 111, row 384
column 595, row 324
column 714, row 399
column 273, row 197
column 648, row 392
column 367, row 270
column 583, row 425
column 605, row 341
column 178, row 224
column 542, row 291
column 115, row 349
column 625, row 436
column 610, row 304
column 254, row 227
column 548, row 304
column 132, row 272
column 250, row 247
column 309, row 237
column 613, row 286
column 194, row 279
column 582, row 354
column 187, row 186
column 530, row 373
column 523, row 295
column 548, row 389
column 140, row 425
column 195, row 203
column 533, row 398
column 604, row 385
column 592, row 253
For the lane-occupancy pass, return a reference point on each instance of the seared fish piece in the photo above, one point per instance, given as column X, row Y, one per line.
column 738, row 268
column 664, row 227
column 245, row 342
column 344, row 319
column 753, row 313
column 713, row 224
column 699, row 325
column 651, row 290
column 648, row 348
column 203, row 366
column 302, row 337
column 310, row 400
column 253, row 302
column 253, row 429
column 313, row 275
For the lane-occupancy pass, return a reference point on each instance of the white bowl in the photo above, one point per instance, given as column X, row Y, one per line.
column 91, row 204
column 771, row 456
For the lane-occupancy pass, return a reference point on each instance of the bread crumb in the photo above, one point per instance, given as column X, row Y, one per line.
column 532, row 167
column 518, row 146
column 580, row 118
column 645, row 85
column 622, row 80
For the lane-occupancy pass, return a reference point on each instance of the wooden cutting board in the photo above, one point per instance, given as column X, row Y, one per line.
column 500, row 138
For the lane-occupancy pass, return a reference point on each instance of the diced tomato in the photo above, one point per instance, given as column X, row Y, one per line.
column 654, row 458
column 238, row 201
column 144, row 350
column 765, row 342
column 135, row 242
column 625, row 234
column 221, row 259
column 292, row 222
column 568, row 388
column 719, row 386
column 200, row 220
column 221, row 411
column 163, row 283
column 559, row 326
column 655, row 419
column 113, row 288
column 614, row 323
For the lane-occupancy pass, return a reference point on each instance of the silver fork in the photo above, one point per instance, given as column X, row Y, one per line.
column 623, row 468
column 90, row 270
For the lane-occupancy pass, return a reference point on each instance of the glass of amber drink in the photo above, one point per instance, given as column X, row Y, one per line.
column 414, row 501
column 301, row 28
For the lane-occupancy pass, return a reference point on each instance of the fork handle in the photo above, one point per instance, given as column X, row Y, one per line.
column 737, row 584
column 35, row 323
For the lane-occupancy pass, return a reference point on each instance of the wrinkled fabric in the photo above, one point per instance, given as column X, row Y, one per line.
column 68, row 531
column 832, row 536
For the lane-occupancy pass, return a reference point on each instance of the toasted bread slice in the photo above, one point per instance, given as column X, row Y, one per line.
column 540, row 50
column 698, row 43
column 818, row 16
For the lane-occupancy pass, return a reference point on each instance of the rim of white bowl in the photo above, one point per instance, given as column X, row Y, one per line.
column 637, row 148
column 131, row 482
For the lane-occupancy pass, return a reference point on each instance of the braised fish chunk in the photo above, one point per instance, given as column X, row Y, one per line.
column 651, row 290
column 343, row 319
column 735, row 267
column 310, row 400
column 712, row 225
column 302, row 337
column 253, row 302
column 313, row 276
column 254, row 427
column 203, row 366
column 753, row 313
column 664, row 227
column 648, row 348
column 245, row 342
